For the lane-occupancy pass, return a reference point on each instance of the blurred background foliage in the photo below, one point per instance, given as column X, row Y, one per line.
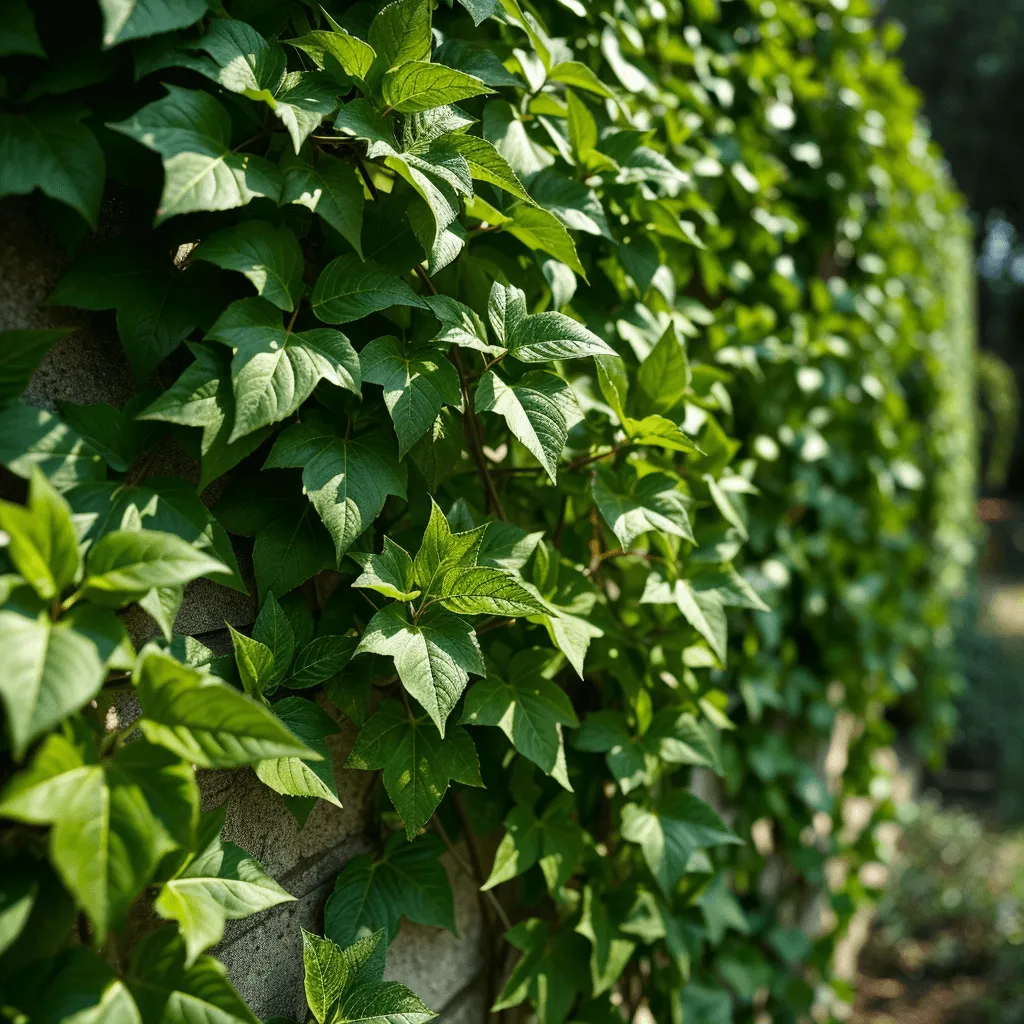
column 948, row 942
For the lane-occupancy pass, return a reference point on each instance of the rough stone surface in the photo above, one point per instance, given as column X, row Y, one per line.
column 262, row 953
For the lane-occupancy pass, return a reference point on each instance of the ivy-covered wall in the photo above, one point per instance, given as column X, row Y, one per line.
column 487, row 483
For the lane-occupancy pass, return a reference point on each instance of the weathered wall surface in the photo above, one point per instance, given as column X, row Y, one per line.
column 262, row 953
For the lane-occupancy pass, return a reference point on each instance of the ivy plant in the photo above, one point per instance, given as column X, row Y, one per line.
column 575, row 391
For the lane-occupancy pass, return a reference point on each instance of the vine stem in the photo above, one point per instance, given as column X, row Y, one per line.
column 471, row 871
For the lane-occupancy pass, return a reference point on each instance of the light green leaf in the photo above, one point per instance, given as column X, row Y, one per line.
column 441, row 550
column 704, row 609
column 302, row 102
column 222, row 883
column 609, row 952
column 349, row 289
column 353, row 54
column 487, row 164
column 460, row 325
column 482, row 590
column 268, row 256
column 672, row 832
column 255, row 663
column 633, row 505
column 530, row 709
column 573, row 73
column 34, row 437
column 401, row 32
column 331, row 189
column 441, row 177
column 519, row 848
column 124, row 564
column 206, row 721
column 606, row 732
column 19, row 890
column 678, row 738
column 434, row 655
column 136, row 19
column 241, row 59
column 407, row 880
column 540, row 410
column 417, row 382
column 658, row 432
column 573, row 203
column 417, row 763
column 664, row 376
column 50, row 149
column 541, row 230
column 326, row 974
column 192, row 133
column 50, row 671
column 273, row 370
column 389, row 573
column 42, row 541
column 347, row 481
column 111, row 824
column 385, row 1003
column 293, row 776
column 419, row 85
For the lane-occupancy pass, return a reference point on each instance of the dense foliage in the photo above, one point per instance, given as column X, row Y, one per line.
column 580, row 391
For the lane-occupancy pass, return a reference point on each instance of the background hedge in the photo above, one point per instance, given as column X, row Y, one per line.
column 624, row 519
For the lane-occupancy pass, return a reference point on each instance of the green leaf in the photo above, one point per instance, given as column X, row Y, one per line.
column 50, row 149
column 401, row 32
column 42, row 541
column 482, row 590
column 606, row 732
column 633, row 505
column 417, row 382
column 274, row 630
column 609, row 952
column 573, row 73
column 192, row 133
column 136, row 19
column 163, row 504
column 158, row 303
column 124, row 564
column 574, row 204
column 302, row 102
column 441, row 177
column 480, row 10
column 165, row 989
column 542, row 337
column 349, row 289
column 460, row 325
column 530, row 709
column 51, row 671
column 203, row 397
column 703, row 609
column 85, row 990
column 273, row 370
column 112, row 432
column 353, row 54
column 390, row 573
column 540, row 230
column 658, row 432
column 19, row 890
column 326, row 974
column 206, row 721
column 347, row 481
column 487, row 164
column 268, row 256
column 407, row 880
column 112, row 824
column 672, row 832
column 222, row 883
column 540, row 410
column 441, row 550
column 34, row 437
column 664, row 376
column 19, row 35
column 385, row 1003
column 321, row 660
column 678, row 738
column 417, row 763
column 419, row 85
column 241, row 59
column 20, row 353
column 293, row 776
column 255, row 663
column 361, row 119
column 330, row 189
column 434, row 655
